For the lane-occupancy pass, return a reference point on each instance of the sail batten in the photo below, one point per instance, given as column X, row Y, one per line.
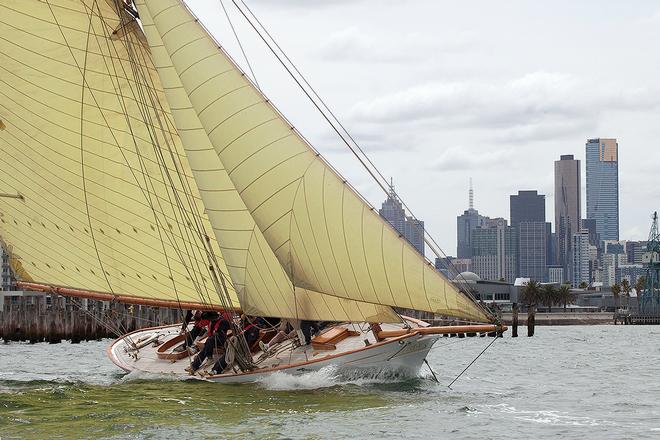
column 304, row 209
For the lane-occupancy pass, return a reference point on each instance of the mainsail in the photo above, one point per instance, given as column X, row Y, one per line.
column 108, row 202
column 322, row 232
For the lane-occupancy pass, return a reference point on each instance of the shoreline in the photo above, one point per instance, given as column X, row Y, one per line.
column 564, row 318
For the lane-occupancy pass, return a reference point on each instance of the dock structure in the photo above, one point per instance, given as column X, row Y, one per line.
column 637, row 319
column 28, row 316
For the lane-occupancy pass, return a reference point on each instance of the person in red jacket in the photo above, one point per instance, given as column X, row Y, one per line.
column 217, row 330
column 200, row 321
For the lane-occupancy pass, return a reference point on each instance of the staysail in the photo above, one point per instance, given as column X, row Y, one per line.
column 107, row 200
column 324, row 235
column 260, row 281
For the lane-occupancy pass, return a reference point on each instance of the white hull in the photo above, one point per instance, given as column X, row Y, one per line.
column 403, row 354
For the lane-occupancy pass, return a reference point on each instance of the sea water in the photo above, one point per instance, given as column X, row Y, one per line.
column 576, row 382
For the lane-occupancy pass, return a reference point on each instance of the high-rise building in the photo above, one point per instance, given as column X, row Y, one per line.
column 589, row 224
column 465, row 224
column 6, row 277
column 614, row 255
column 567, row 208
column 634, row 251
column 413, row 230
column 580, row 259
column 527, row 206
column 410, row 228
column 555, row 274
column 451, row 266
column 532, row 241
column 602, row 166
column 392, row 211
column 494, row 250
column 527, row 210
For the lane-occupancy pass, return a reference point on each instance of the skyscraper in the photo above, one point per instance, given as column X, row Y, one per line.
column 465, row 224
column 6, row 277
column 410, row 228
column 580, row 258
column 567, row 208
column 527, row 206
column 532, row 242
column 528, row 218
column 494, row 251
column 602, row 165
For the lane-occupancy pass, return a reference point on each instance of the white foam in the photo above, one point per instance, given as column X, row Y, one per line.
column 332, row 376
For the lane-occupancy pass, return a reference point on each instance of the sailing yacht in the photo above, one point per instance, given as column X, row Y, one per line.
column 140, row 164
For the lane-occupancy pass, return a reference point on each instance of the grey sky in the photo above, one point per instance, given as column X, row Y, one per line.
column 438, row 91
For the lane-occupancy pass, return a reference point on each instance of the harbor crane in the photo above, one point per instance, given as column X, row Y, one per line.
column 649, row 300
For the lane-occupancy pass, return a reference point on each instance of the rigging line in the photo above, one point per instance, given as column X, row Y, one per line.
column 220, row 286
column 254, row 77
column 197, row 219
column 473, row 361
column 83, row 73
column 141, row 158
column 176, row 292
column 104, row 117
column 145, row 110
column 427, row 237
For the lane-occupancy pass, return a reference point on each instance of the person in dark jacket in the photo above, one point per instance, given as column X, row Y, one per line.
column 217, row 330
column 201, row 320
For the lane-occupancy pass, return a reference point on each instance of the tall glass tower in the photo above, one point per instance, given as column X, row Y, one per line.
column 603, row 186
column 567, row 208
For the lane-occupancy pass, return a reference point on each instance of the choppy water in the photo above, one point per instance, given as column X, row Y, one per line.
column 597, row 382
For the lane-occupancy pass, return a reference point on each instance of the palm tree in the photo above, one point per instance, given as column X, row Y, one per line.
column 566, row 296
column 640, row 285
column 531, row 293
column 625, row 286
column 549, row 295
column 583, row 285
column 616, row 290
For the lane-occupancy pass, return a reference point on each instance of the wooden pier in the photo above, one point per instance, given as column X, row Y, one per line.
column 53, row 318
column 637, row 319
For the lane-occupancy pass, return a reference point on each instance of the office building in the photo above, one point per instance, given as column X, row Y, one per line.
column 613, row 256
column 555, row 274
column 532, row 241
column 410, row 228
column 465, row 224
column 567, row 208
column 451, row 266
column 602, row 172
column 527, row 210
column 580, row 259
column 494, row 249
column 527, row 206
column 6, row 276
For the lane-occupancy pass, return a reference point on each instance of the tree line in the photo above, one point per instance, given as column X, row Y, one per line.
column 535, row 293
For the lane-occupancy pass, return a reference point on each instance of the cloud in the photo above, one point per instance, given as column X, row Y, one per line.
column 353, row 44
column 461, row 158
column 534, row 105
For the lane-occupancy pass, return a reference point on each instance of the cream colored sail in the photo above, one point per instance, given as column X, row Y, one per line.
column 261, row 283
column 87, row 139
column 324, row 235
